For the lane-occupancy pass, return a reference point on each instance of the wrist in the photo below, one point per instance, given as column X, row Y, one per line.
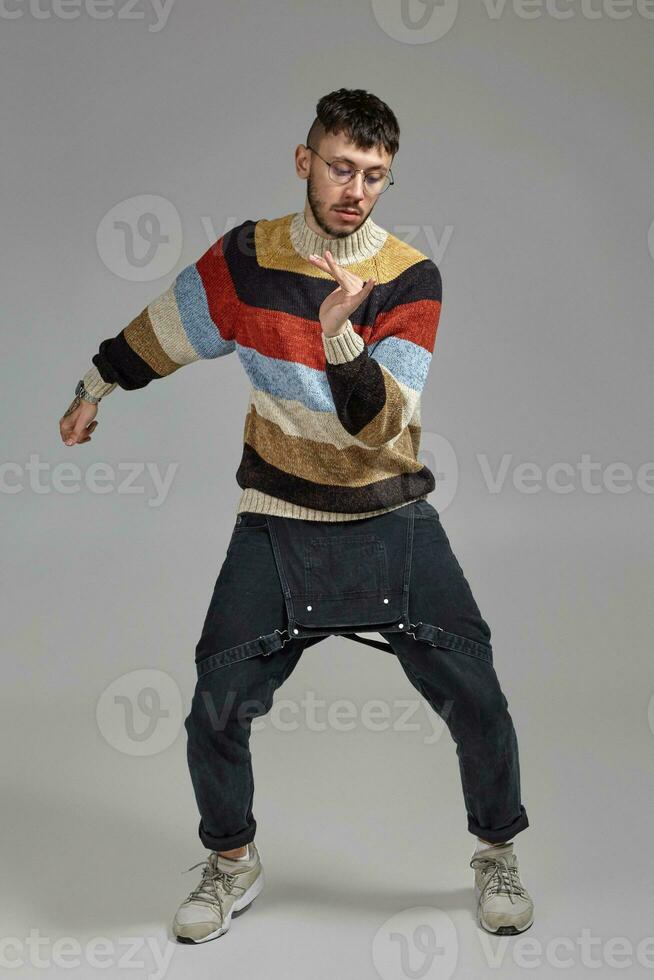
column 336, row 333
column 95, row 387
column 344, row 346
column 82, row 394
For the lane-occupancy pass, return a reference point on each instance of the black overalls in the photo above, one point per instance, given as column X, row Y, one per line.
column 286, row 584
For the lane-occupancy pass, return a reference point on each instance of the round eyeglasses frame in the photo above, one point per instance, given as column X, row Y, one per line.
column 338, row 180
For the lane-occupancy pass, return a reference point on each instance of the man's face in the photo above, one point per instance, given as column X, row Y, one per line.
column 326, row 198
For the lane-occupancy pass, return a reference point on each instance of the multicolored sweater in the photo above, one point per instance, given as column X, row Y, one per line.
column 333, row 428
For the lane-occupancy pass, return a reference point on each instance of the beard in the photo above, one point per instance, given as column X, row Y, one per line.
column 321, row 214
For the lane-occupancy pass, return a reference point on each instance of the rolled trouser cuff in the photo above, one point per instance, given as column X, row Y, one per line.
column 227, row 843
column 498, row 835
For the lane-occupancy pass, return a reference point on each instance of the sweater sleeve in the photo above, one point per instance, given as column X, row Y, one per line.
column 375, row 393
column 192, row 320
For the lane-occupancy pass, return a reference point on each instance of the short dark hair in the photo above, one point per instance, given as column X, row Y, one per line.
column 362, row 117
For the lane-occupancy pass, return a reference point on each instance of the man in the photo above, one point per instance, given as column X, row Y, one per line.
column 334, row 532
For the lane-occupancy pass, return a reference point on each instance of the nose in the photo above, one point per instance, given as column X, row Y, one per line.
column 355, row 188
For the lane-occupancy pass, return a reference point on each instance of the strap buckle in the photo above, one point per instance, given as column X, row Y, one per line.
column 415, row 626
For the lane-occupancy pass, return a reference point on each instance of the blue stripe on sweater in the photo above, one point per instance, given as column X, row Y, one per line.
column 408, row 362
column 287, row 379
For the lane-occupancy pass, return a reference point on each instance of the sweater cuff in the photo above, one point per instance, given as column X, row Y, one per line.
column 95, row 383
column 344, row 347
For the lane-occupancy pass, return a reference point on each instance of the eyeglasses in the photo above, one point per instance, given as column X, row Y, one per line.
column 342, row 172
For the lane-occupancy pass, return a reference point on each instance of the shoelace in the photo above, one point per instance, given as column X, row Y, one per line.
column 501, row 877
column 207, row 893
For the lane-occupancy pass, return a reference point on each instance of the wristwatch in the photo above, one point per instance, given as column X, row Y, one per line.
column 81, row 392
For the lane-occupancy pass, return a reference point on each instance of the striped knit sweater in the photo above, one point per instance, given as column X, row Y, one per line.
column 333, row 428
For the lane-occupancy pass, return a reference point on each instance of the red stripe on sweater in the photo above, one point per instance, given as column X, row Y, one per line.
column 416, row 322
column 284, row 336
column 222, row 298
column 274, row 333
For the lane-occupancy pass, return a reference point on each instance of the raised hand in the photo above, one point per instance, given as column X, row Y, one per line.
column 336, row 308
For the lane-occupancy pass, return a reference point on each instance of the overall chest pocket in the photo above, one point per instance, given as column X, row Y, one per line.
column 345, row 567
column 339, row 577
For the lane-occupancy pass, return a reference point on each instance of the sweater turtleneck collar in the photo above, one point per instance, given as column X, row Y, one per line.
column 360, row 245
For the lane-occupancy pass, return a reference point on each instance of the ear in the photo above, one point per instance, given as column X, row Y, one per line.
column 302, row 161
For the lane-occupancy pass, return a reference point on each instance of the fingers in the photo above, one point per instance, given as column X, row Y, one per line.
column 66, row 428
column 77, row 438
column 341, row 311
column 323, row 264
column 344, row 278
column 76, row 434
column 357, row 298
column 365, row 290
column 77, row 422
column 319, row 261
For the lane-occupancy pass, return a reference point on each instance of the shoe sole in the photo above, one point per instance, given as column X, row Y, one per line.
column 241, row 905
column 501, row 930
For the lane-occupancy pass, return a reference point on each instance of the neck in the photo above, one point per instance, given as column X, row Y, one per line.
column 362, row 244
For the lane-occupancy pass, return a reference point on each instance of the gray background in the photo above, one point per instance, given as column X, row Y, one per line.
column 526, row 146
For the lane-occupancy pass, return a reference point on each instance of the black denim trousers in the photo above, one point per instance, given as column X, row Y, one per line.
column 241, row 660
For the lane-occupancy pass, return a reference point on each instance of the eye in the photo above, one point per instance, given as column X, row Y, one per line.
column 374, row 179
column 341, row 170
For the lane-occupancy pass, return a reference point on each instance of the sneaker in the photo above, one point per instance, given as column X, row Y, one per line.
column 504, row 906
column 227, row 887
